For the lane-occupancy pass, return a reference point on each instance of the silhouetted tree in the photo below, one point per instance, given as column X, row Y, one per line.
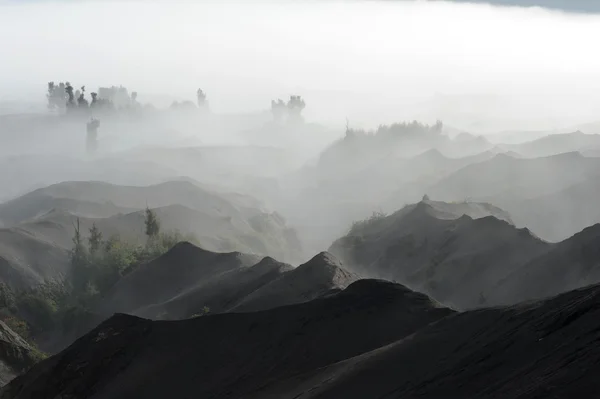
column 71, row 95
column 278, row 109
column 295, row 106
column 57, row 96
column 81, row 101
column 201, row 97
column 50, row 95
column 152, row 224
column 95, row 239
column 79, row 263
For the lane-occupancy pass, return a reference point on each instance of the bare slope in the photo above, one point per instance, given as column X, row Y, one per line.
column 431, row 248
column 322, row 275
column 187, row 279
column 218, row 294
column 26, row 261
column 229, row 355
column 570, row 264
column 545, row 350
column 165, row 277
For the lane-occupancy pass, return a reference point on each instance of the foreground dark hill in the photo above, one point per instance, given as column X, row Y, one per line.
column 235, row 354
column 543, row 350
column 16, row 355
column 437, row 248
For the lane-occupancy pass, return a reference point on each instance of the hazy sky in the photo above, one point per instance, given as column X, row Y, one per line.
column 371, row 61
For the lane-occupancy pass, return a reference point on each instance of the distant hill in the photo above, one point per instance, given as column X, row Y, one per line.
column 437, row 248
column 117, row 358
column 559, row 215
column 505, row 178
column 554, row 144
column 40, row 170
column 223, row 221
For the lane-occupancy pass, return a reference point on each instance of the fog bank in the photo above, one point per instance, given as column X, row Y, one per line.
column 478, row 67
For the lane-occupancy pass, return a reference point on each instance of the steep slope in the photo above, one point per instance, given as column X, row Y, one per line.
column 26, row 261
column 570, row 264
column 505, row 178
column 429, row 247
column 167, row 276
column 219, row 293
column 16, row 355
column 236, row 354
column 322, row 275
column 545, row 350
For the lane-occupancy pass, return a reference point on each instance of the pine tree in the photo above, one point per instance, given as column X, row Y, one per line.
column 95, row 239
column 152, row 224
column 79, row 266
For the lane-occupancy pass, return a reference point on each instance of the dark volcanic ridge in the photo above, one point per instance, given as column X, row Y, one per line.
column 189, row 280
column 236, row 354
column 375, row 339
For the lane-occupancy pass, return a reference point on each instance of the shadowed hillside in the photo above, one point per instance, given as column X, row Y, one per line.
column 375, row 339
column 237, row 354
column 180, row 269
column 546, row 349
column 438, row 249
